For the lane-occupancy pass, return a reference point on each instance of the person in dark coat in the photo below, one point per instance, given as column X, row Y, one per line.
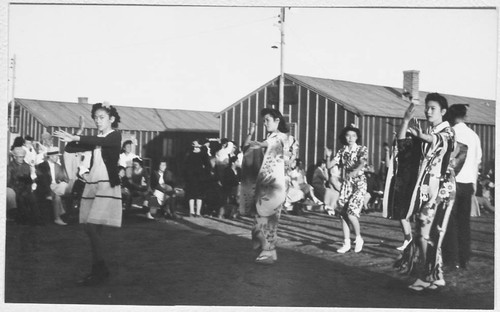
column 19, row 180
column 196, row 168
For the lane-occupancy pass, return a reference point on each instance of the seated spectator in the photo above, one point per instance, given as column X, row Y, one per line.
column 53, row 183
column 126, row 156
column 138, row 184
column 163, row 186
column 122, row 173
column 298, row 182
column 483, row 191
column 19, row 180
column 230, row 188
column 371, row 187
column 319, row 179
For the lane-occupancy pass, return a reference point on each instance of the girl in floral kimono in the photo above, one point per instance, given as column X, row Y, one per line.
column 351, row 160
column 271, row 183
column 433, row 196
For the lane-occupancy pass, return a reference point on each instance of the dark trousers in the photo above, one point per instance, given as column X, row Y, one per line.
column 28, row 207
column 456, row 243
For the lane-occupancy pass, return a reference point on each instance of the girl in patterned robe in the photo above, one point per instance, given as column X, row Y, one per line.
column 271, row 184
column 351, row 160
column 433, row 196
column 101, row 202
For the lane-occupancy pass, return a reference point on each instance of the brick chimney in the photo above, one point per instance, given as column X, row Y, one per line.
column 83, row 100
column 410, row 84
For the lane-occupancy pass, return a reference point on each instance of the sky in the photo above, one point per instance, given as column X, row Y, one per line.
column 207, row 58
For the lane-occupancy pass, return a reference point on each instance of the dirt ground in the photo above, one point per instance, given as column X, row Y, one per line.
column 209, row 262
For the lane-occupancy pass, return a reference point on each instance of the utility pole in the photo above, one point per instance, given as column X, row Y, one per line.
column 13, row 102
column 281, row 104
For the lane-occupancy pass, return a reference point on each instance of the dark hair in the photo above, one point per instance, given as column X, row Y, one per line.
column 232, row 159
column 111, row 110
column 344, row 132
column 137, row 160
column 456, row 111
column 120, row 168
column 443, row 103
column 163, row 159
column 28, row 138
column 127, row 142
column 282, row 126
column 298, row 161
column 18, row 142
column 224, row 141
column 320, row 162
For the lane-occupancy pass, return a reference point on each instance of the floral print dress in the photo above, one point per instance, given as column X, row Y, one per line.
column 271, row 188
column 432, row 201
column 353, row 189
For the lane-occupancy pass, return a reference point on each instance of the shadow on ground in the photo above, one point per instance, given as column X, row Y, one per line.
column 190, row 262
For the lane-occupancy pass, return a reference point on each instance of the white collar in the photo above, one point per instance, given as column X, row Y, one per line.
column 105, row 134
column 440, row 127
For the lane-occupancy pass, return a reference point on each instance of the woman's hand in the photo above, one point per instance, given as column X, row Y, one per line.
column 255, row 144
column 81, row 126
column 65, row 136
column 410, row 111
column 251, row 128
column 416, row 129
column 328, row 152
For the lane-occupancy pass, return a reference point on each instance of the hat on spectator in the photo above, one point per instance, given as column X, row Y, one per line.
column 18, row 151
column 53, row 151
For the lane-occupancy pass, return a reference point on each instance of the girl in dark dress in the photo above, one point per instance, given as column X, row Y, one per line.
column 196, row 166
column 401, row 179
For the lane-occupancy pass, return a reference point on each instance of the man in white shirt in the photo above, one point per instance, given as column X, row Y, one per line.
column 456, row 244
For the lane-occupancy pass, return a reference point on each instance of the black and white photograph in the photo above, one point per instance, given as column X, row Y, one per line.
column 248, row 155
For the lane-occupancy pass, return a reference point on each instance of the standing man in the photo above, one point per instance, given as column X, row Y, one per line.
column 456, row 244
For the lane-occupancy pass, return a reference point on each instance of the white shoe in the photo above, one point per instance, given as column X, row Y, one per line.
column 437, row 284
column 405, row 244
column 419, row 285
column 149, row 216
column 345, row 248
column 329, row 210
column 359, row 245
column 60, row 222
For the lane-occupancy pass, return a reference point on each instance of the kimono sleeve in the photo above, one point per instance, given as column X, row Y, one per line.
column 445, row 138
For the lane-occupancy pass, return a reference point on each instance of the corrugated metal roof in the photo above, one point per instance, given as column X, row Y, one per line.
column 66, row 114
column 373, row 100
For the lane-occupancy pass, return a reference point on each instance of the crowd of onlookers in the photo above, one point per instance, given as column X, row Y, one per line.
column 38, row 185
column 210, row 180
column 36, row 182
